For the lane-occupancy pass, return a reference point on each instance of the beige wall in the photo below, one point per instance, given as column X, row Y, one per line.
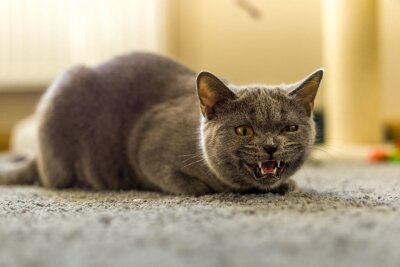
column 352, row 105
column 39, row 39
column 390, row 58
column 13, row 107
column 283, row 45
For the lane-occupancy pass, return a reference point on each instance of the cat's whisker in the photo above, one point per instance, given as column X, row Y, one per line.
column 328, row 147
column 188, row 155
column 322, row 150
column 197, row 161
column 194, row 157
column 337, row 143
column 246, row 152
column 191, row 155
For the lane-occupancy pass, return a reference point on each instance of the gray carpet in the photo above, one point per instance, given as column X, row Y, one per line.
column 345, row 216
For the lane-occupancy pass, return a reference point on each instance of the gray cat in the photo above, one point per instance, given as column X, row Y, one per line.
column 136, row 122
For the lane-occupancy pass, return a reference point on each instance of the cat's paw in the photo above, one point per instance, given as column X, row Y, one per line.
column 193, row 187
column 198, row 189
column 286, row 187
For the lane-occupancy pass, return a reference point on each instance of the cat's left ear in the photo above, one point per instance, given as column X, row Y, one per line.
column 307, row 90
column 212, row 92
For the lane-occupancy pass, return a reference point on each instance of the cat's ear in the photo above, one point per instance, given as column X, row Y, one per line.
column 212, row 92
column 307, row 89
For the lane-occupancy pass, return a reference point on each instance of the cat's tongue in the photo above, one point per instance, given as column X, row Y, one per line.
column 267, row 167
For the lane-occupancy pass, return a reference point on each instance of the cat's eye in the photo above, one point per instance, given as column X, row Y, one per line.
column 244, row 130
column 291, row 128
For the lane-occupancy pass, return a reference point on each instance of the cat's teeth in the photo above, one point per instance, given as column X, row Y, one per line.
column 279, row 163
column 275, row 170
column 260, row 164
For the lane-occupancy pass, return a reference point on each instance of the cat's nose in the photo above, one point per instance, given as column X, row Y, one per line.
column 270, row 149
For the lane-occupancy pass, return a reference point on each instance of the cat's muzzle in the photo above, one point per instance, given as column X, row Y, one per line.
column 269, row 169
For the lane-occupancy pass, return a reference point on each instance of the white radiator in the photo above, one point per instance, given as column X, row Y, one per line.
column 40, row 38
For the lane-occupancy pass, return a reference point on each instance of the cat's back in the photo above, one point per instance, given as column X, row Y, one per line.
column 127, row 84
column 143, row 62
column 135, row 73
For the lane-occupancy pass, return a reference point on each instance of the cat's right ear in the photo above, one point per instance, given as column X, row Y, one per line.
column 212, row 92
column 307, row 90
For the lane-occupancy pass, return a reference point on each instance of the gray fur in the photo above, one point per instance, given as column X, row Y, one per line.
column 134, row 122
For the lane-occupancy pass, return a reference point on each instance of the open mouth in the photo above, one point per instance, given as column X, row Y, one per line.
column 268, row 169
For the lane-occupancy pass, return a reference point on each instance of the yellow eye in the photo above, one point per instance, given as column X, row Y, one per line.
column 244, row 130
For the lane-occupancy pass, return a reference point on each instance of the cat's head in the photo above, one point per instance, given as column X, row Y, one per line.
column 256, row 136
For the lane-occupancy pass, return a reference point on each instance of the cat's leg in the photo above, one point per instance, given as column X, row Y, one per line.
column 286, row 187
column 54, row 163
column 54, row 170
column 176, row 182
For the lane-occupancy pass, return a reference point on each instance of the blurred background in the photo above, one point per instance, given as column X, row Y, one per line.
column 245, row 41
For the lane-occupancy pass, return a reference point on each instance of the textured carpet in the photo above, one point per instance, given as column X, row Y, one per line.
column 345, row 216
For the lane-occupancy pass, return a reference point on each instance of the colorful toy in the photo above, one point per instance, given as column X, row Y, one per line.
column 378, row 154
column 384, row 154
column 394, row 155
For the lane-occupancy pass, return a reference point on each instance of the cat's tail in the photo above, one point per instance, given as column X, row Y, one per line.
column 18, row 170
